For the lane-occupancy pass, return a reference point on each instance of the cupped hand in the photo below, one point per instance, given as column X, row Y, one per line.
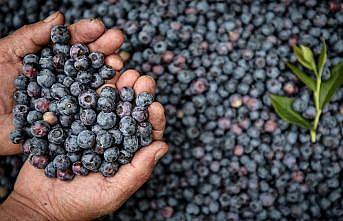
column 84, row 198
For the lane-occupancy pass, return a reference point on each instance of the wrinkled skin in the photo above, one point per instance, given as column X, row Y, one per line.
column 40, row 198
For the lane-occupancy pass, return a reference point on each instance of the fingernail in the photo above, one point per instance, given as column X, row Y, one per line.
column 51, row 17
column 160, row 154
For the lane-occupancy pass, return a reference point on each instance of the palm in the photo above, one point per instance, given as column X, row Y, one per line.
column 85, row 197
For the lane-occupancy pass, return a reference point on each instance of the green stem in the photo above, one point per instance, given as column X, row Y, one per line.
column 318, row 110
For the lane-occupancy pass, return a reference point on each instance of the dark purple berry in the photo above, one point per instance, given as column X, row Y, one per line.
column 108, row 169
column 111, row 154
column 106, row 120
column 127, row 126
column 144, row 99
column 40, row 129
column 42, row 105
column 33, row 89
column 97, row 59
column 38, row 161
column 65, row 175
column 50, row 170
column 88, row 99
column 79, row 169
column 78, row 50
column 88, row 117
column 30, row 70
column 140, row 114
column 106, row 104
column 124, row 109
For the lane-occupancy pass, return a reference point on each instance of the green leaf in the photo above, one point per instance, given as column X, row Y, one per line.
column 307, row 80
column 298, row 52
column 308, row 56
column 322, row 58
column 329, row 87
column 283, row 107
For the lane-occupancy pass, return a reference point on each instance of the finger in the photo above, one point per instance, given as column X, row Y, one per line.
column 132, row 176
column 115, row 62
column 109, row 42
column 6, row 146
column 31, row 38
column 86, row 30
column 145, row 84
column 127, row 79
column 157, row 119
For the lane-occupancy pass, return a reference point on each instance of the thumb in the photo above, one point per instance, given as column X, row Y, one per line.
column 30, row 38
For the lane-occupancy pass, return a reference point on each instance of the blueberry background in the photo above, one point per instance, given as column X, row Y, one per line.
column 231, row 157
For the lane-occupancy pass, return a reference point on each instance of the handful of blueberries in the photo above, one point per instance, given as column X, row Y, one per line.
column 68, row 129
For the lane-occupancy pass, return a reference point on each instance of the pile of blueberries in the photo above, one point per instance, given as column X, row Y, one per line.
column 215, row 63
column 68, row 129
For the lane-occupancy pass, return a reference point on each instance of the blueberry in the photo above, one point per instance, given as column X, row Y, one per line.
column 40, row 129
column 67, row 105
column 38, row 161
column 106, row 120
column 79, row 169
column 46, row 52
column 91, row 161
column 117, row 136
column 131, row 143
column 86, row 139
column 65, row 175
column 111, row 154
column 21, row 82
column 107, row 72
column 108, row 169
column 17, row 136
column 46, row 63
column 33, row 116
column 57, row 136
column 84, row 77
column 88, row 117
column 145, row 140
column 71, row 144
column 61, row 48
column 140, row 114
column 20, row 112
column 106, row 104
column 21, row 97
column 144, row 129
column 97, row 81
column 58, row 91
column 109, row 92
column 125, row 157
column 46, row 78
column 81, row 63
column 33, row 89
column 61, row 162
column 31, row 59
column 88, row 99
column 77, row 126
column 97, row 59
column 68, row 81
column 69, row 68
column 58, row 61
column 126, row 94
column 66, row 120
column 76, row 88
column 124, row 109
column 78, row 50
column 104, row 140
column 74, row 156
column 144, row 99
column 30, row 70
column 60, row 34
column 127, row 126
column 50, row 170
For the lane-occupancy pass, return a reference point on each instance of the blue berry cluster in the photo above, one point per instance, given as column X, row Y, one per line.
column 68, row 129
column 215, row 63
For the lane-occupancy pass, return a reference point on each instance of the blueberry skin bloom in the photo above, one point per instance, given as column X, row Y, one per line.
column 86, row 139
column 91, row 161
column 68, row 105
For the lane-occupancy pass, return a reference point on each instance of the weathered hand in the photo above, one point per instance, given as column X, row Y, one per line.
column 38, row 197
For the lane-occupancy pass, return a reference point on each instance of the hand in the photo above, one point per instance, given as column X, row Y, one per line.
column 40, row 198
